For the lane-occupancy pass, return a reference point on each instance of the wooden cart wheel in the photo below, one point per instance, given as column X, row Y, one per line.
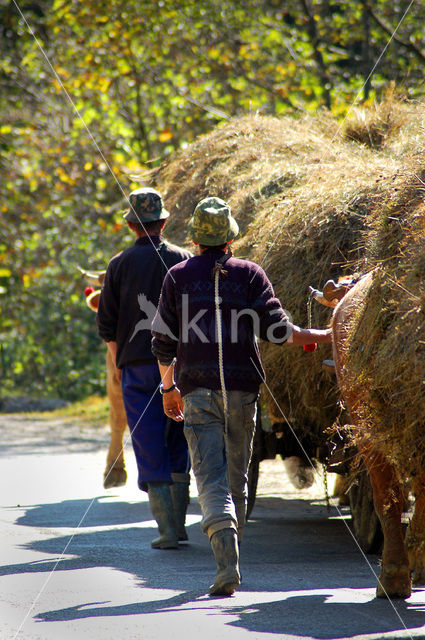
column 366, row 526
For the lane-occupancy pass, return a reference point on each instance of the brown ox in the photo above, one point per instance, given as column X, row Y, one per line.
column 115, row 474
column 399, row 561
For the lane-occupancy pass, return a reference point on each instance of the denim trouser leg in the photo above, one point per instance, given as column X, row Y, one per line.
column 220, row 461
column 159, row 445
column 240, row 436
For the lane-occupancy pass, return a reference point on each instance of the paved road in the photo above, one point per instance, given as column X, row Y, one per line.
column 77, row 563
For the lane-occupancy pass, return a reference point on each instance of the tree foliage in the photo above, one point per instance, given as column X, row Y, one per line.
column 94, row 93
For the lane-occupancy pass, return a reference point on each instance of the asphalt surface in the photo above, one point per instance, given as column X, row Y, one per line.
column 77, row 562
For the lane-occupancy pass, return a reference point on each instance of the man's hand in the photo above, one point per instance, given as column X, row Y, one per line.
column 325, row 335
column 309, row 336
column 173, row 405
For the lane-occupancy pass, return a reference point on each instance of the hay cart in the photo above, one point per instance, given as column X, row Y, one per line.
column 281, row 442
column 337, row 456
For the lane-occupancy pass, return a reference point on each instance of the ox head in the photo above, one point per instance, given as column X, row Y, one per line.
column 332, row 293
column 330, row 296
column 92, row 294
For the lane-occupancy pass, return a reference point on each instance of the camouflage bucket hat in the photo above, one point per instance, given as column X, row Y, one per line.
column 212, row 223
column 145, row 206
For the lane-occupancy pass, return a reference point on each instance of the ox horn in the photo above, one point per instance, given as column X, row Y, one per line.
column 93, row 277
column 320, row 297
column 332, row 293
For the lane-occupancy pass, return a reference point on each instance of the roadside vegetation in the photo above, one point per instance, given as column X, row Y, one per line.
column 92, row 410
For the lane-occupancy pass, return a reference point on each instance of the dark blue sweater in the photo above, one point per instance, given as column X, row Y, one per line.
column 130, row 296
column 249, row 308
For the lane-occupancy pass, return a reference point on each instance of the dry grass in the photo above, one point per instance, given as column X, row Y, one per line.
column 378, row 126
column 309, row 204
column 93, row 411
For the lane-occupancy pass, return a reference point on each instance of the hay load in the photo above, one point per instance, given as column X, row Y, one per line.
column 305, row 195
column 379, row 346
column 385, row 349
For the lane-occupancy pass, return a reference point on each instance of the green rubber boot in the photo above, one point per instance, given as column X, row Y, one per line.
column 180, row 498
column 224, row 544
column 161, row 506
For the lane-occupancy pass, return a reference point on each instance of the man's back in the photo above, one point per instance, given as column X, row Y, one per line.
column 248, row 308
column 130, row 296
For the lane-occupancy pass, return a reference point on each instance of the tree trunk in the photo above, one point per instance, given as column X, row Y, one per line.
column 317, row 54
column 366, row 52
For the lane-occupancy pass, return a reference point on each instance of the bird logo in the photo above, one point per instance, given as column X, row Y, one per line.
column 153, row 319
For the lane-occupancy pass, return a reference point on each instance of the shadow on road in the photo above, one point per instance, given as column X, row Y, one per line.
column 317, row 616
column 125, row 548
column 304, row 615
column 291, row 547
column 98, row 512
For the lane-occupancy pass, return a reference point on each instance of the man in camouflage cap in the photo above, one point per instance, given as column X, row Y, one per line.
column 145, row 206
column 127, row 306
column 212, row 223
column 214, row 306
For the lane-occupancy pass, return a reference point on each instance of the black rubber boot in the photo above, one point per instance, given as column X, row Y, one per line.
column 224, row 544
column 180, row 497
column 161, row 506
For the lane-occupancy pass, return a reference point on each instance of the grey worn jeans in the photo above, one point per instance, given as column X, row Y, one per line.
column 220, row 460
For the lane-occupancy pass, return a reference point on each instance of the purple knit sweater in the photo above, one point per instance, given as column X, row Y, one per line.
column 185, row 325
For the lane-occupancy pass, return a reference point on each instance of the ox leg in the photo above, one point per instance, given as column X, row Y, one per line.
column 415, row 537
column 115, row 474
column 300, row 472
column 388, row 499
column 342, row 485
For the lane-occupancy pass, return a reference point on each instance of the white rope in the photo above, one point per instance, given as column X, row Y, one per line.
column 220, row 346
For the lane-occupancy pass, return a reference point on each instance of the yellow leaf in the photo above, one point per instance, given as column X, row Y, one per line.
column 88, row 166
column 62, row 72
column 281, row 90
column 103, row 84
column 133, row 166
column 213, row 53
column 165, row 135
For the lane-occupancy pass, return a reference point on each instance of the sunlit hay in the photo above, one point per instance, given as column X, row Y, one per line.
column 385, row 350
column 261, row 165
column 303, row 196
column 380, row 125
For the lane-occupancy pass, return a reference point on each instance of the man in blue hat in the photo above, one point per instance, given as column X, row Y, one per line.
column 211, row 310
column 127, row 306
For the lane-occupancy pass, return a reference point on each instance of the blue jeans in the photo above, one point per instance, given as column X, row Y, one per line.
column 159, row 443
column 220, row 460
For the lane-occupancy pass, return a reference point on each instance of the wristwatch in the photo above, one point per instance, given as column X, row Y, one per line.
column 162, row 390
